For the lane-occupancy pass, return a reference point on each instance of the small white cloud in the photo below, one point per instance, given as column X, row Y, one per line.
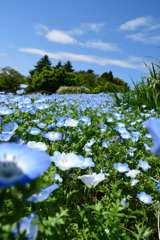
column 41, row 29
column 145, row 38
column 60, row 37
column 131, row 62
column 102, row 46
column 136, row 23
column 95, row 27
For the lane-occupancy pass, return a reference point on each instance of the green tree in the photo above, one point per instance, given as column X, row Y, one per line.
column 51, row 79
column 68, row 66
column 58, row 66
column 10, row 79
column 44, row 61
column 107, row 77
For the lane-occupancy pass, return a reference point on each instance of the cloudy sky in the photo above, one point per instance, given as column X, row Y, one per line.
column 103, row 35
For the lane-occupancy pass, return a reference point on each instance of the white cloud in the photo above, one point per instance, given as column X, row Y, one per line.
column 95, row 27
column 41, row 29
column 60, row 37
column 102, row 46
column 136, row 23
column 145, row 38
column 131, row 62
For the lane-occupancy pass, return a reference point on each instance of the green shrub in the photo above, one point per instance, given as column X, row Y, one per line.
column 72, row 90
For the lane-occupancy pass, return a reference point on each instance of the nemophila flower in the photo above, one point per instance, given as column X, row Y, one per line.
column 24, row 109
column 20, row 91
column 57, row 177
column 19, row 163
column 26, row 225
column 106, row 144
column 122, row 167
column 144, row 165
column 90, row 143
column 52, row 136
column 66, row 161
column 23, row 85
column 37, row 145
column 109, row 119
column 134, row 182
column 147, row 148
column 124, row 202
column 153, row 126
column 148, row 135
column 41, row 125
column 103, row 128
column 6, row 111
column 19, row 140
column 69, row 122
column 158, row 186
column 143, row 197
column 9, row 127
column 126, row 135
column 93, row 179
column 6, row 136
column 43, row 194
column 34, row 131
column 132, row 173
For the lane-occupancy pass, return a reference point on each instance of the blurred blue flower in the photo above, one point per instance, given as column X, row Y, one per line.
column 18, row 163
column 43, row 194
column 153, row 126
column 52, row 136
column 143, row 197
column 132, row 173
column 57, row 177
column 122, row 167
column 26, row 225
column 9, row 127
column 144, row 165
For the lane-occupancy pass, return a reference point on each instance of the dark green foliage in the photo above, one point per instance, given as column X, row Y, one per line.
column 10, row 79
column 41, row 64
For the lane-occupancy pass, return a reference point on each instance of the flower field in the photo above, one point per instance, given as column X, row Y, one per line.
column 78, row 167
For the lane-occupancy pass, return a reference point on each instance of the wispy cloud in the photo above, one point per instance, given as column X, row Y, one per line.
column 145, row 30
column 101, row 45
column 131, row 62
column 145, row 38
column 66, row 37
column 136, row 23
column 3, row 54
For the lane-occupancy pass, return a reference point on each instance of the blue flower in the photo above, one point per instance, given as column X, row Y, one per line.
column 153, row 126
column 34, row 131
column 26, row 225
column 43, row 194
column 18, row 163
column 144, row 165
column 132, row 173
column 143, row 197
column 57, row 177
column 122, row 167
column 9, row 127
column 158, row 186
column 52, row 136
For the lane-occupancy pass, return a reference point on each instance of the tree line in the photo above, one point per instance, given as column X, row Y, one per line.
column 47, row 78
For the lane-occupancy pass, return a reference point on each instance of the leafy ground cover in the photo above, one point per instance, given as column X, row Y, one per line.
column 78, row 167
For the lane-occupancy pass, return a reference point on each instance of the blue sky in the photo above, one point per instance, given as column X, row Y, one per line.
column 102, row 35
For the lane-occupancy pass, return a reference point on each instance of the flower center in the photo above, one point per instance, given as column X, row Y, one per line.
column 9, row 169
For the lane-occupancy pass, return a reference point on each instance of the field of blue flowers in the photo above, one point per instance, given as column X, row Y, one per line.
column 78, row 167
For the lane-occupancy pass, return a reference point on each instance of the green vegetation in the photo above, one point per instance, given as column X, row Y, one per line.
column 47, row 78
column 72, row 90
column 146, row 92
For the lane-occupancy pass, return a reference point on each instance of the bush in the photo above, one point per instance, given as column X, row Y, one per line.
column 72, row 90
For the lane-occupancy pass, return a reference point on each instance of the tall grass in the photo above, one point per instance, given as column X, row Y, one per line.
column 145, row 92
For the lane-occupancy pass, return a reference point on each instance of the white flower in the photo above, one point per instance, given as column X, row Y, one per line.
column 93, row 179
column 66, row 161
column 37, row 145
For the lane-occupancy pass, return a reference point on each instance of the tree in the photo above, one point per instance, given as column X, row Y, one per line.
column 10, row 79
column 68, row 66
column 108, row 77
column 90, row 71
column 58, row 66
column 44, row 61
